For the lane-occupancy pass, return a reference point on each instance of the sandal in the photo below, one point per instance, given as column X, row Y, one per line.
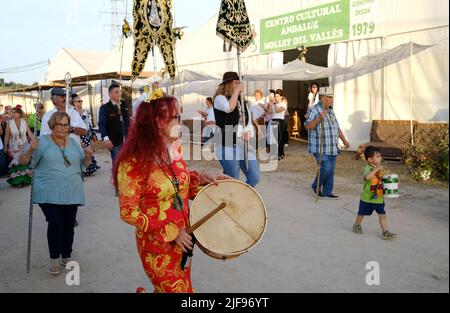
column 357, row 229
column 64, row 262
column 55, row 269
column 387, row 235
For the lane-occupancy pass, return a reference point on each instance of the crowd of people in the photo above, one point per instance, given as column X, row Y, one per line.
column 151, row 179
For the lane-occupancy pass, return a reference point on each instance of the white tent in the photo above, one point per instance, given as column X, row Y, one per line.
column 138, row 83
column 184, row 79
column 188, row 76
column 77, row 62
column 301, row 71
column 121, row 57
column 402, row 88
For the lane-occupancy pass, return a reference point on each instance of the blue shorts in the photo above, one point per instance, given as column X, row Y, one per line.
column 367, row 209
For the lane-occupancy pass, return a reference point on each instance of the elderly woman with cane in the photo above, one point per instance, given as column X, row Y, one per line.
column 58, row 187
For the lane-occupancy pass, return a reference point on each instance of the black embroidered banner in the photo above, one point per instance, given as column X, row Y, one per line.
column 153, row 26
column 233, row 24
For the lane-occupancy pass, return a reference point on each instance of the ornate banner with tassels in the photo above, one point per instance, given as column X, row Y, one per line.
column 153, row 25
column 233, row 25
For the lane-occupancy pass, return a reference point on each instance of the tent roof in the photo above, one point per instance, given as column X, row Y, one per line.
column 120, row 59
column 77, row 62
column 39, row 87
column 103, row 76
column 187, row 76
column 89, row 60
column 301, row 71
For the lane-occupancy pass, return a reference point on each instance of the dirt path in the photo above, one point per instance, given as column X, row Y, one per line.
column 307, row 247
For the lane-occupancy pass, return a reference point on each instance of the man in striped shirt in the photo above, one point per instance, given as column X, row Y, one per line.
column 323, row 128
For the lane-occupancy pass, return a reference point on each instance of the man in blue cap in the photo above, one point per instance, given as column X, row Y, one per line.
column 77, row 126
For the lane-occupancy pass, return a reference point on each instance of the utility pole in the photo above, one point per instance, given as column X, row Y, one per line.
column 116, row 17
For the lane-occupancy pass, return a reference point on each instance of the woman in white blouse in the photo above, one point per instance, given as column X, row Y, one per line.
column 279, row 108
column 230, row 145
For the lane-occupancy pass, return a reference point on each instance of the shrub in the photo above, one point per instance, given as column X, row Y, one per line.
column 429, row 158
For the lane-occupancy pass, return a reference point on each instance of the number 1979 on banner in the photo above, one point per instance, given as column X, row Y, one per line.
column 363, row 28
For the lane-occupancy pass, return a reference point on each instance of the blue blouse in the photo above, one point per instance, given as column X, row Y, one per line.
column 54, row 182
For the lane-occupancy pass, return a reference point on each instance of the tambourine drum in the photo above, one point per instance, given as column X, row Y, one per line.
column 235, row 229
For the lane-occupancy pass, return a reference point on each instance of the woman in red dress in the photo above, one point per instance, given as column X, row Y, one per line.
column 154, row 187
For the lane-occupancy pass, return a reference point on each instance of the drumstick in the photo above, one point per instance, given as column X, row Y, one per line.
column 206, row 217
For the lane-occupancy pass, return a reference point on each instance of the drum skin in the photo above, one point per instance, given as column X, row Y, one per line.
column 235, row 229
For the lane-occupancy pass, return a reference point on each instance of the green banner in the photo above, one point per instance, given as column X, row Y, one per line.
column 325, row 24
column 312, row 27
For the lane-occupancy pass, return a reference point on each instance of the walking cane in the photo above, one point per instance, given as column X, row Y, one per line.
column 322, row 135
column 30, row 215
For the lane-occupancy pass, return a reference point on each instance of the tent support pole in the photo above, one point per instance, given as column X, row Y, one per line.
column 383, row 77
column 410, row 92
column 90, row 102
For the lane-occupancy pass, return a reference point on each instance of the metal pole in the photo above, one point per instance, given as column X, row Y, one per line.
column 33, row 167
column 91, row 108
column 383, row 77
column 410, row 92
column 242, row 105
column 68, row 80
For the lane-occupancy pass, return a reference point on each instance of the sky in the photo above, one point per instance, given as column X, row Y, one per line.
column 32, row 32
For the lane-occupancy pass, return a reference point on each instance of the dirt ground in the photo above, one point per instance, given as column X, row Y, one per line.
column 307, row 246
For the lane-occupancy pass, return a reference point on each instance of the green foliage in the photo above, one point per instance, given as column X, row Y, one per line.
column 5, row 86
column 428, row 159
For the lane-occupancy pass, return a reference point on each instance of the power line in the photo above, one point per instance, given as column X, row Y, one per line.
column 28, row 69
column 22, row 67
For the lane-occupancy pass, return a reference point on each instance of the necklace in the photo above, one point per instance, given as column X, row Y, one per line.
column 178, row 203
column 63, row 152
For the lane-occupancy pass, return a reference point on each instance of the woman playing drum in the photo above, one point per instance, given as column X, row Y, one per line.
column 154, row 186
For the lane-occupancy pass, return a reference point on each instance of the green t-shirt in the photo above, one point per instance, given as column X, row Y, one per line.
column 31, row 121
column 373, row 188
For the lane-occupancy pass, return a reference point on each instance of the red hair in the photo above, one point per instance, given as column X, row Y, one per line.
column 144, row 141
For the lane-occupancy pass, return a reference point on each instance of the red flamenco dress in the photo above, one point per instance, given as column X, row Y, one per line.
column 147, row 202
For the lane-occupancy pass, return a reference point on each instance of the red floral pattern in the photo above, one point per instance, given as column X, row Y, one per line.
column 146, row 202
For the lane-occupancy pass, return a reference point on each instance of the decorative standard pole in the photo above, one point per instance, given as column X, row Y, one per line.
column 243, row 107
column 68, row 81
column 236, row 29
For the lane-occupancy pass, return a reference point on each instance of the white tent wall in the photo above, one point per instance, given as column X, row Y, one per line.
column 194, row 95
column 415, row 88
column 412, row 89
column 428, row 88
column 357, row 101
column 26, row 100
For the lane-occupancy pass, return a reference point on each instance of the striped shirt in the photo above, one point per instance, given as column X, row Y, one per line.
column 331, row 134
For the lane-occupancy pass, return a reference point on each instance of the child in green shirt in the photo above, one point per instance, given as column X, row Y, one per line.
column 372, row 193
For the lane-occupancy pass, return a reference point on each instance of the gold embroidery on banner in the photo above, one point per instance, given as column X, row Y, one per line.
column 156, row 31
